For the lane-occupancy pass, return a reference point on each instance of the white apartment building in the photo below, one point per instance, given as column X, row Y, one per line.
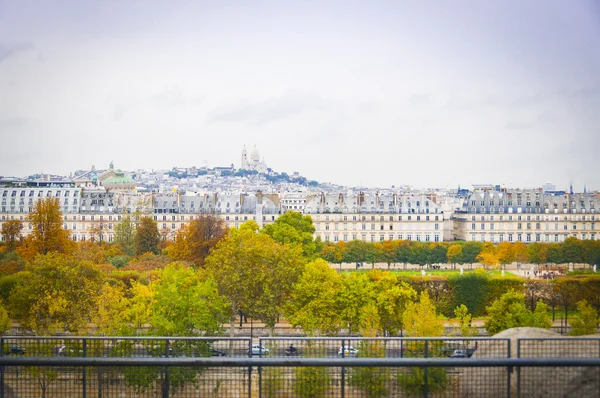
column 378, row 217
column 534, row 215
column 488, row 214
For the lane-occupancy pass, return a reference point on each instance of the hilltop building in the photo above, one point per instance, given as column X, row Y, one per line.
column 253, row 162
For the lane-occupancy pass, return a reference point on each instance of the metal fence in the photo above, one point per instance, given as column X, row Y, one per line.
column 107, row 381
column 297, row 367
column 546, row 381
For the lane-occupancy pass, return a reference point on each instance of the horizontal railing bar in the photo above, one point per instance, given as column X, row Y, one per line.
column 326, row 362
column 388, row 338
column 110, row 338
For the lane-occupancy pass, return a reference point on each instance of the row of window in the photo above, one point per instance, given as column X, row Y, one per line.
column 376, row 218
column 499, row 238
column 381, row 227
column 537, row 218
column 528, row 210
column 40, row 193
column 582, row 226
column 373, row 237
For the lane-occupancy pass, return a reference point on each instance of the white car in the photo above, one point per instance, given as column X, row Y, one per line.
column 348, row 351
column 259, row 350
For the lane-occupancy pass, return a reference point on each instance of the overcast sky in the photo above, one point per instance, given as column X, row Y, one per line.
column 372, row 93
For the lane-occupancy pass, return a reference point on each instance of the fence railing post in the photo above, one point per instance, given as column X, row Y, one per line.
column 518, row 368
column 1, row 368
column 250, row 369
column 343, row 377
column 166, row 395
column 84, row 389
column 259, row 367
column 509, row 370
column 425, row 372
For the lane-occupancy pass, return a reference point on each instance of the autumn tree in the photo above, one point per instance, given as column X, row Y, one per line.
column 255, row 273
column 294, row 228
column 521, row 252
column 388, row 252
column 588, row 320
column 390, row 300
column 454, row 254
column 313, row 303
column 125, row 235
column 505, row 253
column 509, row 311
column 11, row 231
column 333, row 253
column 147, row 237
column 488, row 256
column 55, row 294
column 47, row 234
column 194, row 242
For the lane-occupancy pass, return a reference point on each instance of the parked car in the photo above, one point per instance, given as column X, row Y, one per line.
column 259, row 350
column 14, row 349
column 64, row 351
column 216, row 353
column 461, row 354
column 347, row 351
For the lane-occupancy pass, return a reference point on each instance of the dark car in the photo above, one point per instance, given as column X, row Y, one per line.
column 216, row 353
column 14, row 349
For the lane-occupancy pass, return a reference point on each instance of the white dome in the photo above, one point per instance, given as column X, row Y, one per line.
column 255, row 155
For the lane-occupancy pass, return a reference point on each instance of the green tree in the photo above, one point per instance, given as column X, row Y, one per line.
column 4, row 320
column 147, row 237
column 572, row 250
column 178, row 302
column 588, row 320
column 56, row 294
column 357, row 292
column 437, row 253
column 355, row 251
column 470, row 251
column 11, row 231
column 294, row 228
column 125, row 233
column 554, row 254
column 464, row 321
column 313, row 304
column 537, row 253
column 47, row 234
column 509, row 311
column 421, row 320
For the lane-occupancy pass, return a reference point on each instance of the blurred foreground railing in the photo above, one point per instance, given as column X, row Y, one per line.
column 319, row 367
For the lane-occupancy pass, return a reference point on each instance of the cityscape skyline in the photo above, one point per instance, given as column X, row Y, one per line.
column 379, row 94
